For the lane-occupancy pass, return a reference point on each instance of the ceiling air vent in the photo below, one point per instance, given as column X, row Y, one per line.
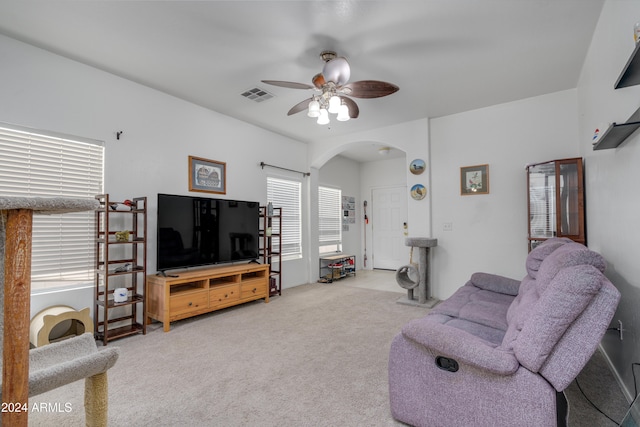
column 256, row 94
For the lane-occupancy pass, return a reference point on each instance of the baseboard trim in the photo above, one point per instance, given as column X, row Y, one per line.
column 627, row 395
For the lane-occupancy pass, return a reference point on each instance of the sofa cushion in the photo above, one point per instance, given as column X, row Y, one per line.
column 436, row 333
column 558, row 306
column 522, row 303
column 487, row 333
column 573, row 351
column 567, row 255
column 493, row 336
column 495, row 283
column 555, row 254
column 476, row 305
column 540, row 252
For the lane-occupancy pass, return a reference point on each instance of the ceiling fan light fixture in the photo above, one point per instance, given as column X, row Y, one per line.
column 323, row 118
column 343, row 113
column 333, row 93
column 334, row 104
column 337, row 70
column 314, row 109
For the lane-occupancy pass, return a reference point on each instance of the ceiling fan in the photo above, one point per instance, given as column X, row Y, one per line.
column 333, row 90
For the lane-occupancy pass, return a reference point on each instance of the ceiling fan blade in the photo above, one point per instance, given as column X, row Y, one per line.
column 290, row 85
column 354, row 111
column 369, row 89
column 301, row 106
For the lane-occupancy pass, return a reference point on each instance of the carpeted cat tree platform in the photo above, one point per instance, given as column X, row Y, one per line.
column 28, row 373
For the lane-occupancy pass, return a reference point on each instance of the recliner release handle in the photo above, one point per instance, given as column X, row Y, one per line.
column 446, row 364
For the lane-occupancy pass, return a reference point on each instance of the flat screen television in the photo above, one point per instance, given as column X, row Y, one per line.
column 197, row 231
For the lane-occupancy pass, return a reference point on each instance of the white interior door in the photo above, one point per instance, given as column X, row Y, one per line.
column 389, row 214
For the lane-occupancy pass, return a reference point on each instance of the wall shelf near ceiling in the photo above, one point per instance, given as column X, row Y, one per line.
column 616, row 133
column 630, row 75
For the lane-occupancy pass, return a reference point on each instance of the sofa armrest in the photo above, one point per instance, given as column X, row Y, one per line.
column 495, row 283
column 461, row 346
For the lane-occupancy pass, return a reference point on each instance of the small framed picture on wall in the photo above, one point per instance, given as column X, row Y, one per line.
column 474, row 180
column 207, row 176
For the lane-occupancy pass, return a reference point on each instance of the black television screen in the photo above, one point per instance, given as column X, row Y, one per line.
column 194, row 231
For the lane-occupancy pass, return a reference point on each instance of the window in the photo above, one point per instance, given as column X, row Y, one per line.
column 286, row 194
column 41, row 164
column 329, row 221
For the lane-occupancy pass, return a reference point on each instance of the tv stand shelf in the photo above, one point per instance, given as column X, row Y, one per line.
column 202, row 291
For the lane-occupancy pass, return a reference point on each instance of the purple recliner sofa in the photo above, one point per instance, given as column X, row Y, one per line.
column 499, row 352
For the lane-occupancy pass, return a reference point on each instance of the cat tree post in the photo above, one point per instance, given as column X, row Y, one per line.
column 17, row 297
column 16, row 218
column 424, row 244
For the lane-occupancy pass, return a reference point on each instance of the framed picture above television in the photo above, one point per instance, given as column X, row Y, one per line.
column 207, row 176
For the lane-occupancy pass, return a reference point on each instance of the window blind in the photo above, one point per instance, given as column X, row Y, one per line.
column 542, row 208
column 287, row 195
column 41, row 164
column 329, row 221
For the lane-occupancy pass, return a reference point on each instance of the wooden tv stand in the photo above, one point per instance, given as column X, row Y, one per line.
column 201, row 291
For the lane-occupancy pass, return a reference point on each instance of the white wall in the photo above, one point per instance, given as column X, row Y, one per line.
column 49, row 92
column 612, row 175
column 490, row 231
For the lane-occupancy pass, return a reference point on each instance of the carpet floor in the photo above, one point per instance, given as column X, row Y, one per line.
column 315, row 356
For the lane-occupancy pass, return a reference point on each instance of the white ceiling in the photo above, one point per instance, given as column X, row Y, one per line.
column 447, row 56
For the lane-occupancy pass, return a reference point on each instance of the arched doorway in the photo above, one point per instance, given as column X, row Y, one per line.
column 378, row 241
